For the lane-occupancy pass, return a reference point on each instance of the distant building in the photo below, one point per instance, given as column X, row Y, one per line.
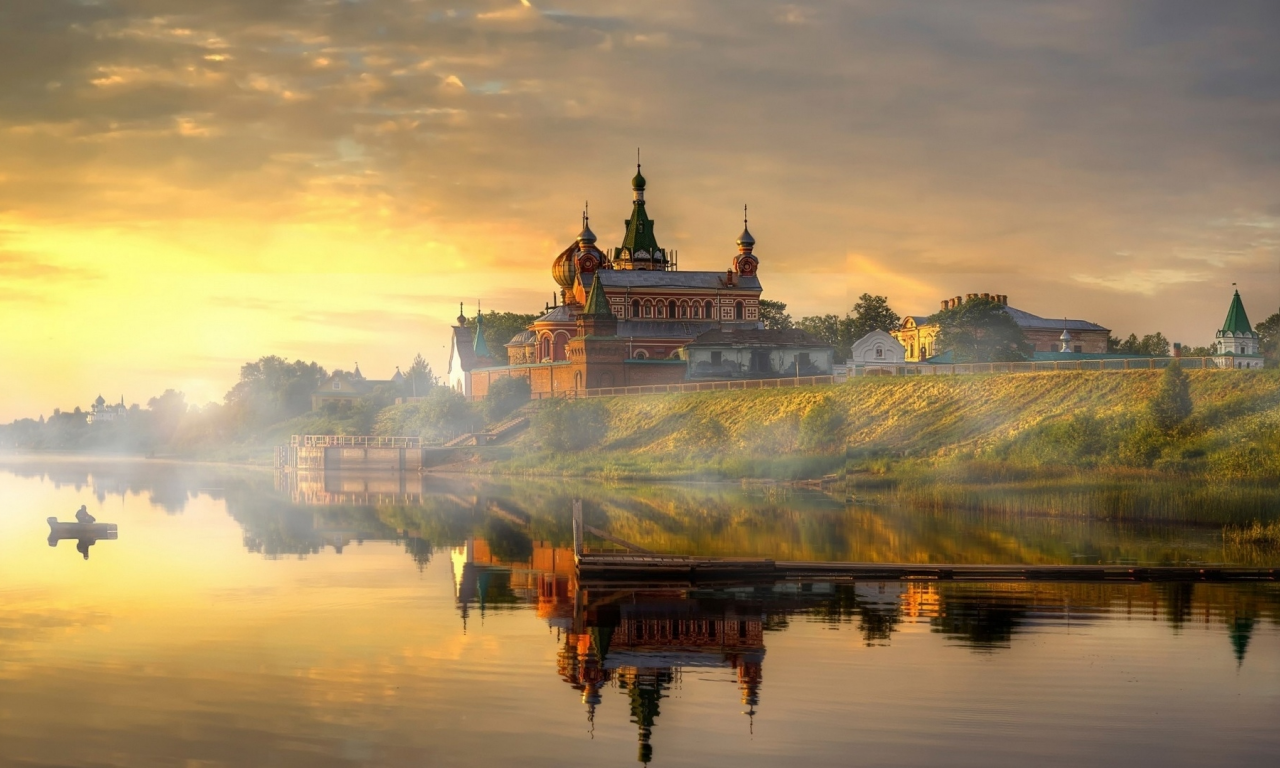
column 467, row 352
column 345, row 387
column 100, row 412
column 918, row 336
column 877, row 348
column 757, row 353
column 1236, row 345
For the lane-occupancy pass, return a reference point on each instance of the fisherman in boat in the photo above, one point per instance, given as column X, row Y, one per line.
column 83, row 516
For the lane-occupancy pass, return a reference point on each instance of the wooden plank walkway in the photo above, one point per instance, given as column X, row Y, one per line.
column 691, row 570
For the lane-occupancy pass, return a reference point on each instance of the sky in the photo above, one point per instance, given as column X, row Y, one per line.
column 186, row 186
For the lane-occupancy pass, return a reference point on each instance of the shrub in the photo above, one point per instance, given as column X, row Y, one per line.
column 440, row 415
column 505, row 395
column 1171, row 404
column 820, row 428
column 570, row 425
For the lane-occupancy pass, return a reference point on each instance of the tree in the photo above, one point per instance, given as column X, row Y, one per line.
column 504, row 396
column 272, row 390
column 1153, row 344
column 871, row 313
column 499, row 327
column 825, row 327
column 1269, row 339
column 419, row 379
column 774, row 315
column 166, row 412
column 980, row 331
column 1172, row 402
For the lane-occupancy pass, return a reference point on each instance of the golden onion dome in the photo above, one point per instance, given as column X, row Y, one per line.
column 565, row 268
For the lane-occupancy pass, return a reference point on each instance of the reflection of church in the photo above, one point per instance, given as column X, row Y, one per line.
column 642, row 646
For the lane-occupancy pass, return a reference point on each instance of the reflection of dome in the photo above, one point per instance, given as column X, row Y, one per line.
column 565, row 268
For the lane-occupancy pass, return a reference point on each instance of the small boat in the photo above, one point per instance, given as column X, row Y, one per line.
column 73, row 530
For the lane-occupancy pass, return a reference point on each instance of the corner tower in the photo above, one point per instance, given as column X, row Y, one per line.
column 1237, row 345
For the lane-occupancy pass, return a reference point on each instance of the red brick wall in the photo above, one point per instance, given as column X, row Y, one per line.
column 641, row 374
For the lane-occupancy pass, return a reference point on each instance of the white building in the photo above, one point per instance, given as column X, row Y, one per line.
column 1236, row 345
column 877, row 349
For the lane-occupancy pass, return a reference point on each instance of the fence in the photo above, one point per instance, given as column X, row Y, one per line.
column 1039, row 366
column 353, row 441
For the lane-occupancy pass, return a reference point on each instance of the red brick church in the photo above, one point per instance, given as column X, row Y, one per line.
column 624, row 314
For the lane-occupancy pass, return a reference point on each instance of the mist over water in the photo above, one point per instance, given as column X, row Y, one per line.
column 242, row 618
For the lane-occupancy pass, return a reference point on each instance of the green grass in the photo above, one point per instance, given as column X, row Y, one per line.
column 1079, row 420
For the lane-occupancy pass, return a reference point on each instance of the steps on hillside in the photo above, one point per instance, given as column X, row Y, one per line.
column 491, row 435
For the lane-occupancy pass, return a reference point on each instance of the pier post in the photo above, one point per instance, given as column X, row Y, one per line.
column 577, row 530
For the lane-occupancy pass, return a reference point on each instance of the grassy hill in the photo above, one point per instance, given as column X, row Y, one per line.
column 1006, row 425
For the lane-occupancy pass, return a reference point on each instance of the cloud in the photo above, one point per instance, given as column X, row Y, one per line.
column 1077, row 151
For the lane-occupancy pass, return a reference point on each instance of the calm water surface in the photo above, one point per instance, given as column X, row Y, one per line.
column 243, row 620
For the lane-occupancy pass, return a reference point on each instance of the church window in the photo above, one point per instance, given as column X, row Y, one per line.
column 697, row 310
column 684, row 310
column 1078, row 348
column 337, row 385
column 648, row 309
column 641, row 354
column 879, row 352
column 635, row 307
column 739, row 310
column 711, row 312
column 671, row 309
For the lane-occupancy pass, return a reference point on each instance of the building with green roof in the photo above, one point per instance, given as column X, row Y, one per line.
column 1236, row 345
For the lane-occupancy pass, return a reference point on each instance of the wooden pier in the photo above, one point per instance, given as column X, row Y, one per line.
column 678, row 570
column 640, row 567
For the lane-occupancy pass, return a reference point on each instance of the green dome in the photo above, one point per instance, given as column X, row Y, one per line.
column 637, row 182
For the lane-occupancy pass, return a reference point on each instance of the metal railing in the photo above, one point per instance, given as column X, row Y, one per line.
column 354, row 441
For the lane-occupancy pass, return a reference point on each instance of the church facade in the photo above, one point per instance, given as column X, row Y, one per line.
column 625, row 314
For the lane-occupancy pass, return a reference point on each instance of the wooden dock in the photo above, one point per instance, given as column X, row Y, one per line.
column 675, row 570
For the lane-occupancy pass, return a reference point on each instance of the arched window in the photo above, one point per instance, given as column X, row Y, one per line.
column 545, row 354
column 648, row 309
column 558, row 346
column 911, row 350
column 577, row 379
column 739, row 310
column 684, row 309
column 671, row 309
column 697, row 310
column 711, row 310
column 640, row 354
column 635, row 307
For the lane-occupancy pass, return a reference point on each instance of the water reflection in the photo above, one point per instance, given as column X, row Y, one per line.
column 638, row 643
column 86, row 533
column 304, row 513
column 378, row 625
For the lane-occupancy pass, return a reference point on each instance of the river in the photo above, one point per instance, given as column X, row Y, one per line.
column 242, row 618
